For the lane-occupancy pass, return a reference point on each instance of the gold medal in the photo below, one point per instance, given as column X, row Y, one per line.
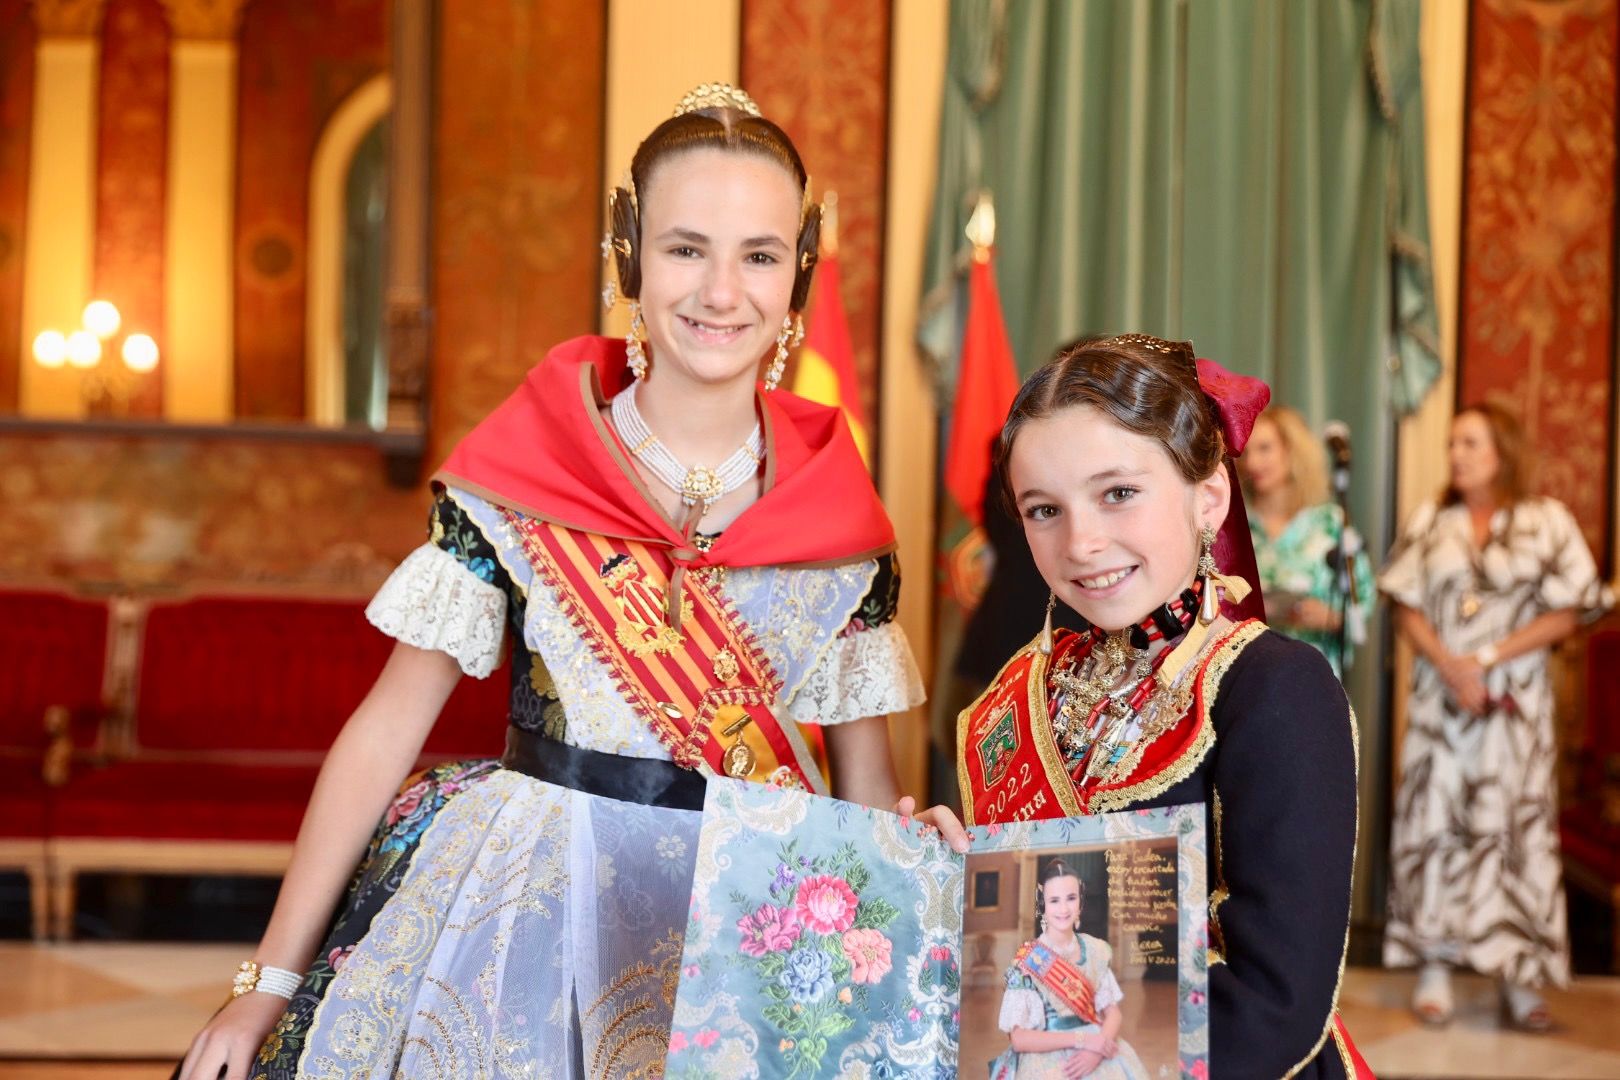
column 738, row 760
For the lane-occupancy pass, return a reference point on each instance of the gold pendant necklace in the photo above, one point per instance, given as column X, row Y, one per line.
column 1110, row 670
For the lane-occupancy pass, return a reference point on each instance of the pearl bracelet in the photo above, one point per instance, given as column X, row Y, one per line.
column 251, row 976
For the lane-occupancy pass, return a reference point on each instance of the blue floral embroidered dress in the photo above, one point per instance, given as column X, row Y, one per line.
column 504, row 926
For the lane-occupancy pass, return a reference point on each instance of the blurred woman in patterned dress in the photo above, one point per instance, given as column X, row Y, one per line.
column 1487, row 578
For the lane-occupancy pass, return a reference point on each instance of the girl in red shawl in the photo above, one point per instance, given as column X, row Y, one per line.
column 683, row 568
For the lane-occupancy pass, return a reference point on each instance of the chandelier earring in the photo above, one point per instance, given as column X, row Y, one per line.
column 1210, row 609
column 1046, row 627
column 634, row 339
column 792, row 331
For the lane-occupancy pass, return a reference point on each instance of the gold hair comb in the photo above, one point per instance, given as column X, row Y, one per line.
column 716, row 96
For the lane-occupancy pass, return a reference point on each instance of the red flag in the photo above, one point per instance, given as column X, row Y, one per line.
column 987, row 382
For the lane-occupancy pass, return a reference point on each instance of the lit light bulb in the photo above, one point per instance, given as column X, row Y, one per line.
column 50, row 348
column 140, row 353
column 83, row 350
column 102, row 319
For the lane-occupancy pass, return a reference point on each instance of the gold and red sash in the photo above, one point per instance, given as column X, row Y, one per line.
column 706, row 689
column 1008, row 761
column 1066, row 982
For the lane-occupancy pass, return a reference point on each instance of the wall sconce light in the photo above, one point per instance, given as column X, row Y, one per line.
column 106, row 388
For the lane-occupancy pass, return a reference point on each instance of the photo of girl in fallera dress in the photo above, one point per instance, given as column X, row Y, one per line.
column 1061, row 1006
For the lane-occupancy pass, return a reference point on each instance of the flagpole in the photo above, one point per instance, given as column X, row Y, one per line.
column 829, row 224
column 981, row 226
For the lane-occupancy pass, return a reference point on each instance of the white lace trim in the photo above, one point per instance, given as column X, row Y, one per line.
column 432, row 601
column 867, row 673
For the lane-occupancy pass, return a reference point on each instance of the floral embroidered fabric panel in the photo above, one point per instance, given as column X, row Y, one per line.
column 833, row 952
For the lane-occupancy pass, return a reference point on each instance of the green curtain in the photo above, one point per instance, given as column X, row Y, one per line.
column 1247, row 174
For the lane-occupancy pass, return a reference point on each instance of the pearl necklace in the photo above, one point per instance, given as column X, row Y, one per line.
column 699, row 484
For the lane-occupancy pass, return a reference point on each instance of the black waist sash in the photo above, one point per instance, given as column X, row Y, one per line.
column 640, row 780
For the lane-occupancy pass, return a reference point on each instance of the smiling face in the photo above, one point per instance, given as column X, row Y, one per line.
column 1111, row 523
column 1060, row 904
column 717, row 262
column 1265, row 463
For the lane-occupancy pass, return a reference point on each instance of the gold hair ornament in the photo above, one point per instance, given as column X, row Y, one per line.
column 1181, row 349
column 716, row 95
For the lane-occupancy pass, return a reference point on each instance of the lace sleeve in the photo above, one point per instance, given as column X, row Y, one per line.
column 433, row 601
column 862, row 673
column 1022, row 1008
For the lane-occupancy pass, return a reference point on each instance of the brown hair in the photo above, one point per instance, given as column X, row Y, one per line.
column 718, row 128
column 1307, row 464
column 1144, row 384
column 1050, row 872
column 1513, row 473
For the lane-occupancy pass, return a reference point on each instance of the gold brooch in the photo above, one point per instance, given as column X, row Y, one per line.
column 725, row 665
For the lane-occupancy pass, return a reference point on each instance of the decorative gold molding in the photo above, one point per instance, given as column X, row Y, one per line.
column 68, row 18
column 204, row 20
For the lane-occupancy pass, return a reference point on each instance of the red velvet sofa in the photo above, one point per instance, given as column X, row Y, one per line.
column 1589, row 827
column 53, row 649
column 214, row 714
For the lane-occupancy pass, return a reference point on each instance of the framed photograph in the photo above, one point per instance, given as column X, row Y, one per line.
column 828, row 939
column 1104, row 935
column 986, row 890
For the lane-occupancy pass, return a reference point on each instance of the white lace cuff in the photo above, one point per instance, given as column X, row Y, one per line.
column 868, row 673
column 432, row 601
column 1022, row 1008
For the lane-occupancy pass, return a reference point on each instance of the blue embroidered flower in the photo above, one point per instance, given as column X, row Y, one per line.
column 785, row 879
column 808, row 975
column 484, row 567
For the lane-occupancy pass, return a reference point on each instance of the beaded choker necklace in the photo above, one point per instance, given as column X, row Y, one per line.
column 699, row 484
column 1168, row 621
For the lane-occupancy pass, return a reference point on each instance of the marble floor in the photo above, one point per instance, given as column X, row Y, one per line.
column 126, row 1011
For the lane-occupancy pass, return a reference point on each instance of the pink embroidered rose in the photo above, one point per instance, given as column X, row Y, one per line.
column 1199, row 1070
column 706, row 1037
column 870, row 955
column 337, row 956
column 770, row 929
column 826, row 904
column 677, row 1041
column 404, row 806
column 939, row 953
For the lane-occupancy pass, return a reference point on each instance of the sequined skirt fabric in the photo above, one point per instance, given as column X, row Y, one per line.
column 500, row 926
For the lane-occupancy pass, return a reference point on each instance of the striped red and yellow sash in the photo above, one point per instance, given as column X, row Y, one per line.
column 1066, row 982
column 704, row 687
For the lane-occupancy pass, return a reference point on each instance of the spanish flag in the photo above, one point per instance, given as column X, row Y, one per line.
column 826, row 366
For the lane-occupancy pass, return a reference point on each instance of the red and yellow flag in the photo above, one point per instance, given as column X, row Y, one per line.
column 826, row 366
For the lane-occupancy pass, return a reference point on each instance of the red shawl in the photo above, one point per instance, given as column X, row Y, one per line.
column 546, row 452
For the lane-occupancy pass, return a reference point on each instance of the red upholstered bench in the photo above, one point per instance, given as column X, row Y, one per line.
column 53, row 649
column 1589, row 828
column 236, row 702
